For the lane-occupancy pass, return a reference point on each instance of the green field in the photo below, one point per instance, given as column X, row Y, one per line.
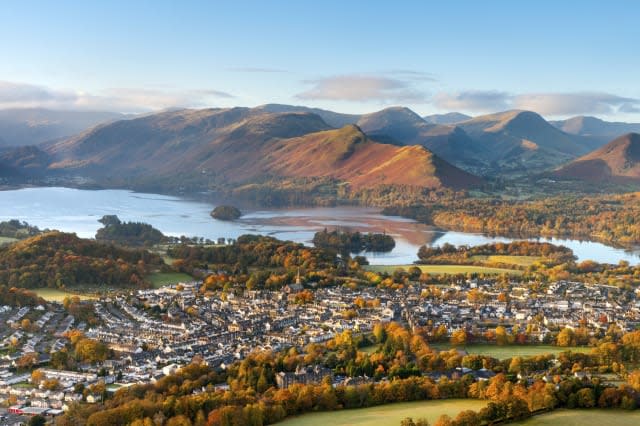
column 57, row 295
column 160, row 279
column 7, row 240
column 387, row 415
column 509, row 351
column 584, row 418
column 445, row 269
column 509, row 260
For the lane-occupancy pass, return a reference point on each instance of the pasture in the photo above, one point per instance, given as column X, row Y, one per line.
column 387, row 415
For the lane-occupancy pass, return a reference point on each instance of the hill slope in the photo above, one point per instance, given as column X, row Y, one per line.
column 31, row 126
column 201, row 148
column 522, row 141
column 618, row 162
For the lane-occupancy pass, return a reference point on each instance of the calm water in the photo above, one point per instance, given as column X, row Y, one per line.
column 78, row 211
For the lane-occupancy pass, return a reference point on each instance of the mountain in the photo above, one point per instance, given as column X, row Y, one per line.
column 448, row 118
column 596, row 128
column 334, row 119
column 350, row 155
column 31, row 126
column 238, row 146
column 522, row 142
column 401, row 126
column 617, row 162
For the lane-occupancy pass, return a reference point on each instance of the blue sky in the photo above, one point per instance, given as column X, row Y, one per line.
column 557, row 58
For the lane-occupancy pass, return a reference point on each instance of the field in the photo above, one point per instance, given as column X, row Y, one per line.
column 584, row 418
column 509, row 351
column 160, row 279
column 522, row 261
column 56, row 295
column 445, row 269
column 6, row 240
column 387, row 415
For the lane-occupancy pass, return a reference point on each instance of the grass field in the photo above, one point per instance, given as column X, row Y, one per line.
column 584, row 418
column 160, row 279
column 56, row 295
column 6, row 240
column 509, row 260
column 445, row 269
column 509, row 351
column 387, row 415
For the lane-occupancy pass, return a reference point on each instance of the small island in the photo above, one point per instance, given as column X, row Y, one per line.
column 226, row 213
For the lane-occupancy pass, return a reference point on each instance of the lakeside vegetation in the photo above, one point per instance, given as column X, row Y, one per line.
column 128, row 234
column 226, row 213
column 58, row 260
column 606, row 218
column 353, row 242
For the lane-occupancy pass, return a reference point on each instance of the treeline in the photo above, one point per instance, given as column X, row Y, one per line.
column 19, row 297
column 448, row 253
column 129, row 234
column 607, row 218
column 353, row 242
column 251, row 397
column 15, row 229
column 251, row 251
column 58, row 259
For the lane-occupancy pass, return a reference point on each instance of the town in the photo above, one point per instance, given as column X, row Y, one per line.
column 152, row 333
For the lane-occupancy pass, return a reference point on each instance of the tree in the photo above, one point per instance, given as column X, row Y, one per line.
column 586, row 398
column 459, row 337
column 566, row 337
column 37, row 420
column 407, row 421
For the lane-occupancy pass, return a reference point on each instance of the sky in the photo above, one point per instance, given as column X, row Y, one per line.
column 558, row 58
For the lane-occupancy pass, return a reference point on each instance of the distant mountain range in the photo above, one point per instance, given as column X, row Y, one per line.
column 241, row 145
column 616, row 162
column 238, row 146
column 31, row 126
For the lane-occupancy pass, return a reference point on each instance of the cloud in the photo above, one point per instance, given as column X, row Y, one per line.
column 550, row 104
column 256, row 70
column 473, row 100
column 573, row 103
column 413, row 75
column 361, row 87
column 21, row 95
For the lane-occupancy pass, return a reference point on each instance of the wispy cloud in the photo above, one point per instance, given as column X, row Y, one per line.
column 362, row 87
column 412, row 74
column 256, row 70
column 552, row 104
column 472, row 101
column 22, row 95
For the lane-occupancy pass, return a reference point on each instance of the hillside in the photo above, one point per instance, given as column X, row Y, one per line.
column 616, row 162
column 596, row 129
column 401, row 126
column 349, row 155
column 31, row 126
column 448, row 118
column 333, row 119
column 522, row 141
column 237, row 146
column 57, row 259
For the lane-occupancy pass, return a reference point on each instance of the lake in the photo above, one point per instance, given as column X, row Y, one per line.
column 74, row 210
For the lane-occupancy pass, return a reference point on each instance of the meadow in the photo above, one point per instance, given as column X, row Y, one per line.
column 445, row 269
column 57, row 295
column 521, row 261
column 387, row 415
column 584, row 418
column 160, row 279
column 509, row 351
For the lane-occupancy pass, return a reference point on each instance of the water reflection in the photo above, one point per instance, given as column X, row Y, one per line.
column 78, row 211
